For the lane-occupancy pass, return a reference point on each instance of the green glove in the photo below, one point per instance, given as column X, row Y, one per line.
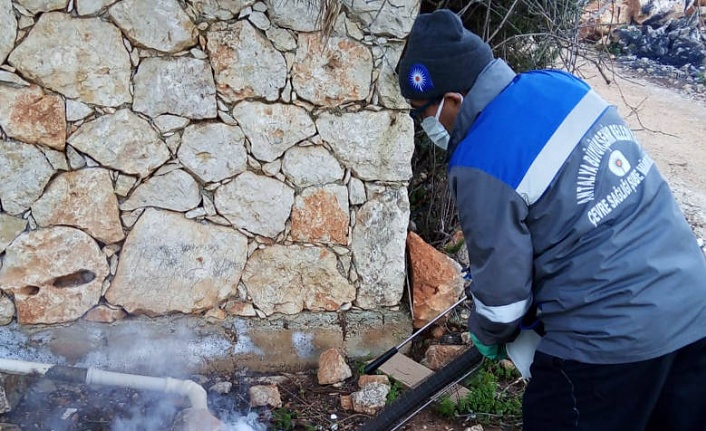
column 496, row 352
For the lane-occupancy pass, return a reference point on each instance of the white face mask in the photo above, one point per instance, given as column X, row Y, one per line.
column 436, row 132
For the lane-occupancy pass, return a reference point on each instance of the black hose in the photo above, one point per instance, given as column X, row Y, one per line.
column 63, row 373
column 411, row 401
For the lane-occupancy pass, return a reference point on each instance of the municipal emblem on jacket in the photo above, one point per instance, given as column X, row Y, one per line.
column 618, row 164
column 419, row 78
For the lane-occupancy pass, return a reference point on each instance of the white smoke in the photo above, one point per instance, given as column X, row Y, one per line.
column 162, row 411
column 169, row 352
column 234, row 422
column 158, row 417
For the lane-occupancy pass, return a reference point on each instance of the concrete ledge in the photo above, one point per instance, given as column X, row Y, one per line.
column 368, row 334
column 183, row 345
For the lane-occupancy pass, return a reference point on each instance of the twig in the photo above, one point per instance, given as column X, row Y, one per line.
column 600, row 70
column 516, row 381
column 487, row 20
column 505, row 18
column 468, row 6
column 634, row 110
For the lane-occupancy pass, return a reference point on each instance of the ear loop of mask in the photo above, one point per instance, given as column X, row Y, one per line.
column 439, row 109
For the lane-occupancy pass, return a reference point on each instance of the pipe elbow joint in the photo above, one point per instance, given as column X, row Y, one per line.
column 196, row 393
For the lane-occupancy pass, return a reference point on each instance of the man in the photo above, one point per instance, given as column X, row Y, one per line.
column 565, row 215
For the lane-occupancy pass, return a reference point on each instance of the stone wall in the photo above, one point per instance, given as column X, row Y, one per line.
column 222, row 158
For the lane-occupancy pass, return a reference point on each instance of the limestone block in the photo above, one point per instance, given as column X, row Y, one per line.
column 97, row 72
column 55, row 274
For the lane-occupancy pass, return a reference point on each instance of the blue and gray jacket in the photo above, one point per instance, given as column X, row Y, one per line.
column 561, row 208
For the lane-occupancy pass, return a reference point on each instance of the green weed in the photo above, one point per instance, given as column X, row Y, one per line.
column 454, row 248
column 283, row 419
column 396, row 389
column 489, row 395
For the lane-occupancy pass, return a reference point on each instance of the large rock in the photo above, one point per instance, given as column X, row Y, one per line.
column 288, row 279
column 157, row 78
column 8, row 29
column 122, row 141
column 371, row 399
column 55, row 274
column 311, row 166
column 213, row 152
column 264, row 396
column 29, row 115
column 438, row 356
column 385, row 17
column 83, row 199
column 375, row 145
column 171, row 264
column 378, row 246
column 437, row 281
column 331, row 71
column 332, row 368
column 36, row 6
column 175, row 190
column 10, row 228
column 24, row 172
column 245, row 63
column 158, row 24
column 295, row 15
column 273, row 128
column 263, row 212
column 677, row 43
column 92, row 7
column 320, row 214
column 56, row 55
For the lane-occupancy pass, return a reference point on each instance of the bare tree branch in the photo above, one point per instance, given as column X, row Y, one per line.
column 502, row 23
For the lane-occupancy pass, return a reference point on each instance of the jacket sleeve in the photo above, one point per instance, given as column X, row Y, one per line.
column 500, row 249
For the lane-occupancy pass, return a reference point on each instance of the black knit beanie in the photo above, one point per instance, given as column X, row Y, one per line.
column 441, row 57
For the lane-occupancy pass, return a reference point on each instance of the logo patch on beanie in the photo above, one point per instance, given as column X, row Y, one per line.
column 419, row 78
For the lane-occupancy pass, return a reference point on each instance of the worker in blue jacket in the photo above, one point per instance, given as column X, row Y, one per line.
column 567, row 218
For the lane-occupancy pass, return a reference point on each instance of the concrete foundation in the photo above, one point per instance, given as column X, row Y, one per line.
column 183, row 345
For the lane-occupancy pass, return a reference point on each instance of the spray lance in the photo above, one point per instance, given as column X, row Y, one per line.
column 520, row 351
column 377, row 362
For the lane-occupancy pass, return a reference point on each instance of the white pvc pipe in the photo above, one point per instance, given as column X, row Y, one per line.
column 11, row 366
column 192, row 390
column 196, row 394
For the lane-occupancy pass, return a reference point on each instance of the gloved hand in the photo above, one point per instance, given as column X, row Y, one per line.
column 495, row 352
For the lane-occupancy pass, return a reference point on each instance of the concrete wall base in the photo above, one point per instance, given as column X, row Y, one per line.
column 183, row 345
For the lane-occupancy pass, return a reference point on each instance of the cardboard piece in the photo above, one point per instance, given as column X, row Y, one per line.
column 410, row 373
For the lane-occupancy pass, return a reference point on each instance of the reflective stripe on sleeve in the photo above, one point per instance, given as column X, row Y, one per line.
column 565, row 138
column 503, row 313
